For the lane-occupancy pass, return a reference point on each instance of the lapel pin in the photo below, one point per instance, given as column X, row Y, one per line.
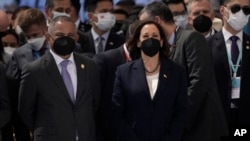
column 82, row 66
column 164, row 75
column 111, row 43
column 247, row 47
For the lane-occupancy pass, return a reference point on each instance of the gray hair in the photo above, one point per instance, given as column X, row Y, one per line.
column 59, row 19
column 192, row 1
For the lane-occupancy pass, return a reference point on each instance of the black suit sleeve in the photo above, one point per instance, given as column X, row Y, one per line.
column 4, row 99
column 199, row 66
column 123, row 130
column 27, row 96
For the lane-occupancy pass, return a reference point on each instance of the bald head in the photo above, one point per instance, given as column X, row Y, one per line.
column 4, row 21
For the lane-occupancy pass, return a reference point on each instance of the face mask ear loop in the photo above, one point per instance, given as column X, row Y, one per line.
column 225, row 9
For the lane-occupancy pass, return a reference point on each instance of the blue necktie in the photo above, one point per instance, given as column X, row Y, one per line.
column 234, row 49
column 67, row 79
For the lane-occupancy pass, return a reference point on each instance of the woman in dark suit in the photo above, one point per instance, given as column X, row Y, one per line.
column 150, row 93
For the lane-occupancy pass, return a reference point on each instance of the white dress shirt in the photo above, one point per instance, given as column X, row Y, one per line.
column 152, row 84
column 96, row 36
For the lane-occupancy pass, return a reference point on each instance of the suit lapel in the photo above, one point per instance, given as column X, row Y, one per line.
column 221, row 51
column 165, row 71
column 54, row 73
column 81, row 76
column 141, row 77
column 91, row 41
column 174, row 46
column 110, row 44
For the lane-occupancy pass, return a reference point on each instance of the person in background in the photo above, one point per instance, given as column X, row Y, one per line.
column 34, row 27
column 120, row 17
column 200, row 16
column 231, row 59
column 5, row 109
column 59, row 93
column 108, row 61
column 156, row 108
column 10, row 41
column 15, row 25
column 74, row 15
column 4, row 23
column 179, row 11
column 55, row 8
column 206, row 119
column 101, row 38
column 10, row 44
column 126, row 5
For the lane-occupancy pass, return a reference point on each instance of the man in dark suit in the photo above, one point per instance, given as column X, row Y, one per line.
column 59, row 93
column 230, row 68
column 200, row 16
column 74, row 15
column 108, row 61
column 4, row 100
column 100, row 38
column 34, row 27
column 206, row 118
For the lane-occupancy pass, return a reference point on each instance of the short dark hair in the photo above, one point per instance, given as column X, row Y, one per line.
column 135, row 52
column 90, row 6
column 224, row 2
column 167, row 2
column 12, row 32
column 120, row 11
column 76, row 4
column 125, row 3
column 158, row 8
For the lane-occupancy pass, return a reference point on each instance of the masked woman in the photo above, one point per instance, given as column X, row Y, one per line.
column 150, row 93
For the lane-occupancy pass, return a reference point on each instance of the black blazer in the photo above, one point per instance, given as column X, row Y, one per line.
column 45, row 105
column 137, row 116
column 107, row 62
column 4, row 99
column 206, row 117
column 114, row 41
column 223, row 77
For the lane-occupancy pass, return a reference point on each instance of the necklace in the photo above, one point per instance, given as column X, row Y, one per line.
column 154, row 70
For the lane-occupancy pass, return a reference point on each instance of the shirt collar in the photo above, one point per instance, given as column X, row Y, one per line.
column 171, row 39
column 59, row 59
column 96, row 36
column 126, row 52
column 227, row 35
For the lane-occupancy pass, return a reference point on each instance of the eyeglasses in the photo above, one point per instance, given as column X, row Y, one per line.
column 237, row 8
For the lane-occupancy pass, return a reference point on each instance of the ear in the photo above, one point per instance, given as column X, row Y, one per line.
column 190, row 21
column 48, row 13
column 161, row 43
column 138, row 44
column 157, row 19
column 91, row 17
column 77, row 37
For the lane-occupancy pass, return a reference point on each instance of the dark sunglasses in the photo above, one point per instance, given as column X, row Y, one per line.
column 237, row 8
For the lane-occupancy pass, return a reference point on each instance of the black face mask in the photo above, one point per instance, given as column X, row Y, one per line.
column 150, row 46
column 202, row 23
column 117, row 26
column 64, row 45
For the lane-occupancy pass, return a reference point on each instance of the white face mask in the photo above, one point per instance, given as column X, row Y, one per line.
column 237, row 20
column 105, row 21
column 57, row 14
column 9, row 50
column 18, row 29
column 36, row 43
column 181, row 20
